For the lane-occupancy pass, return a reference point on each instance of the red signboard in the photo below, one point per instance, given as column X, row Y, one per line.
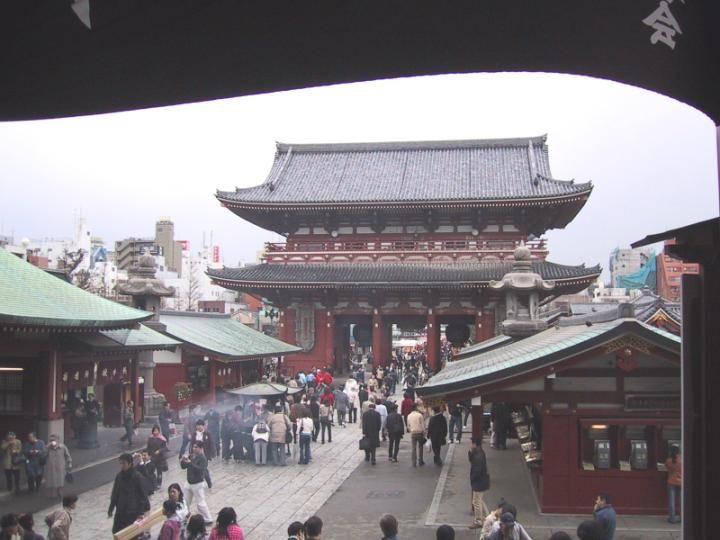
column 216, row 254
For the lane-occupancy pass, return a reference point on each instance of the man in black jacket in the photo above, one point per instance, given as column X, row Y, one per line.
column 396, row 428
column 128, row 499
column 196, row 466
column 437, row 433
column 479, row 482
column 371, row 425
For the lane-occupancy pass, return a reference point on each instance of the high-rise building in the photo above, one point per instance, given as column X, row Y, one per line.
column 627, row 261
column 165, row 239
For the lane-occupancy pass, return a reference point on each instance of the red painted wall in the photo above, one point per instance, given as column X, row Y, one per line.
column 318, row 356
column 165, row 377
column 567, row 488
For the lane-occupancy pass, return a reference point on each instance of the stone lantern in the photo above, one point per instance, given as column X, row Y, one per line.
column 146, row 292
column 522, row 289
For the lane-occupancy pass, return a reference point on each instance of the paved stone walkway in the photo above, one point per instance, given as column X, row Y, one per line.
column 266, row 499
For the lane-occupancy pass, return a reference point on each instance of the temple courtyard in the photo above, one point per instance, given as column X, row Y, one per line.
column 350, row 495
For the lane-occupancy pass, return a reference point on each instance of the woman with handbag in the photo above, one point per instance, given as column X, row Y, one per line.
column 280, row 427
column 57, row 466
column 12, row 460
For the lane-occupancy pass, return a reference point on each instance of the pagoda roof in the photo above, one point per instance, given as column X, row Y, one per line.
column 391, row 275
column 539, row 352
column 469, row 171
column 31, row 298
column 219, row 334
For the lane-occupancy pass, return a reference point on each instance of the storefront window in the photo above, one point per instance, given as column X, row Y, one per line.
column 626, row 444
column 11, row 383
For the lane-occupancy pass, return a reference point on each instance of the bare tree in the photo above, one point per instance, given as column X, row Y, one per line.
column 70, row 260
column 84, row 280
column 192, row 294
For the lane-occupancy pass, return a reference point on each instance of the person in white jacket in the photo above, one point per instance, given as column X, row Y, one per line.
column 351, row 389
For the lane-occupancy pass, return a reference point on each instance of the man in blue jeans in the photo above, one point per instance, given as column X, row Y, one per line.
column 305, row 429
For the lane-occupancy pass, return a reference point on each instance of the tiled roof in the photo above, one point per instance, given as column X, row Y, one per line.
column 400, row 172
column 142, row 338
column 483, row 346
column 392, row 274
column 219, row 334
column 33, row 298
column 538, row 351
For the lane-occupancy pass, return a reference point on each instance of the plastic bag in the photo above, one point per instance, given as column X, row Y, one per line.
column 428, row 444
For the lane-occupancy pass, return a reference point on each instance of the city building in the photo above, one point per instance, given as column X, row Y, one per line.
column 670, row 272
column 629, row 261
column 406, row 233
column 171, row 249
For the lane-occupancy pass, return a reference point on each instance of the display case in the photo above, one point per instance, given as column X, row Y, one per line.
column 522, row 421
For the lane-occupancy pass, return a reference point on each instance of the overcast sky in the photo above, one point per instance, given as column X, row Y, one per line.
column 651, row 159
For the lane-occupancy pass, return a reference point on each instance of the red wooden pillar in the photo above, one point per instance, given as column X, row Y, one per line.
column 433, row 341
column 486, row 325
column 387, row 346
column 377, row 337
column 287, row 325
column 330, row 340
column 476, row 410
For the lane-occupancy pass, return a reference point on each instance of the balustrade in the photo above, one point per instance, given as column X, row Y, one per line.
column 402, row 246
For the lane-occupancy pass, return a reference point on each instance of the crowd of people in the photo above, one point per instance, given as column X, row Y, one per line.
column 268, row 432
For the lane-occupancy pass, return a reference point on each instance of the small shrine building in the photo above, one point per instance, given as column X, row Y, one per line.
column 595, row 399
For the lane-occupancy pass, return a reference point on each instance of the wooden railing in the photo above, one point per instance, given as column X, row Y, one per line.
column 355, row 246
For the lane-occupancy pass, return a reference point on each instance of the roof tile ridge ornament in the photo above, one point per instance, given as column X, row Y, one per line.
column 410, row 145
column 531, row 163
column 273, row 182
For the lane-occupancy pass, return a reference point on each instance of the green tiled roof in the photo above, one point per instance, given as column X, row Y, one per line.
column 538, row 351
column 222, row 335
column 483, row 346
column 142, row 338
column 30, row 297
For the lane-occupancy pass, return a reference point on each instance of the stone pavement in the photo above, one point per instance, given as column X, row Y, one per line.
column 266, row 499
column 88, row 468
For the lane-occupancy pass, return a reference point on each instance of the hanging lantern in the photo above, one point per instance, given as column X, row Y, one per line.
column 362, row 333
column 457, row 334
column 412, row 324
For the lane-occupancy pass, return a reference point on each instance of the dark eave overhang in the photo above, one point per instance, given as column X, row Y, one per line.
column 400, row 205
column 222, row 357
column 61, row 326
